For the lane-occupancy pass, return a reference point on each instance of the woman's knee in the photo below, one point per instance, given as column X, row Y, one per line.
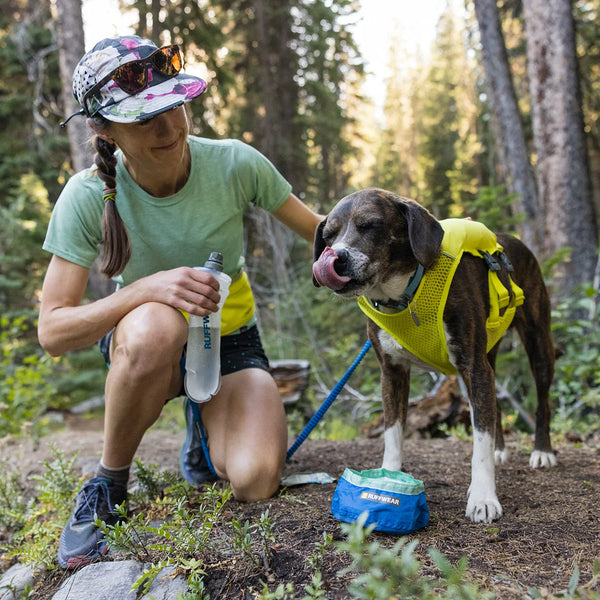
column 252, row 481
column 148, row 337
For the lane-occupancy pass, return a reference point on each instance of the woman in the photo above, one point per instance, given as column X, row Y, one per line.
column 158, row 202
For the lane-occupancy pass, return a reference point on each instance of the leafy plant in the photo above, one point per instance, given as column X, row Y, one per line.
column 395, row 572
column 24, row 389
column 493, row 206
column 37, row 524
column 577, row 378
column 193, row 537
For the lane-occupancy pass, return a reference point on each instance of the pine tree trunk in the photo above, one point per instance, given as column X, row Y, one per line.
column 71, row 47
column 562, row 162
column 508, row 118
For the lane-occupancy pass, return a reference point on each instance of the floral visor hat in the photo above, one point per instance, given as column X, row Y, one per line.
column 127, row 79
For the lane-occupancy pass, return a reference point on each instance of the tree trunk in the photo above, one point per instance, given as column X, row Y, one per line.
column 71, row 48
column 562, row 161
column 504, row 102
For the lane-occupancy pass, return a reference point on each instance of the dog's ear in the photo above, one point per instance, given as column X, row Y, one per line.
column 319, row 245
column 424, row 232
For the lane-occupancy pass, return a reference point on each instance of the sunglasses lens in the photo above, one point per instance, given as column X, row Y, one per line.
column 167, row 60
column 131, row 77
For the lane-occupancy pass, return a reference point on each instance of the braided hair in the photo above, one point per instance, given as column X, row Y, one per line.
column 115, row 239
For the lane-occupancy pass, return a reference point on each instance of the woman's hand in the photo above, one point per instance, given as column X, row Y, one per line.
column 191, row 290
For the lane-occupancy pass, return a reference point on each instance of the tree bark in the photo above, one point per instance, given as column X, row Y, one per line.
column 562, row 161
column 506, row 109
column 71, row 47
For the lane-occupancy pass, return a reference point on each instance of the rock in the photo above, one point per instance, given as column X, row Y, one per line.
column 113, row 581
column 165, row 586
column 15, row 581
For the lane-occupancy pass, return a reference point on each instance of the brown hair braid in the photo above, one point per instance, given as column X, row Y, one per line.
column 115, row 239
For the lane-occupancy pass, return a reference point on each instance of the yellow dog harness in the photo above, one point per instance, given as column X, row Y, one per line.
column 420, row 329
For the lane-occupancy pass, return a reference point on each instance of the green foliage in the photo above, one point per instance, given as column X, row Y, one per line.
column 35, row 526
column 492, row 206
column 12, row 506
column 78, row 376
column 24, row 389
column 395, row 572
column 577, row 378
column 154, row 483
column 24, row 216
column 439, row 118
column 195, row 536
column 30, row 88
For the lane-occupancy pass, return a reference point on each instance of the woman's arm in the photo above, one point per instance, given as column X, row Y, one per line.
column 298, row 217
column 65, row 324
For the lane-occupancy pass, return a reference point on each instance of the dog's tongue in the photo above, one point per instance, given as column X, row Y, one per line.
column 325, row 273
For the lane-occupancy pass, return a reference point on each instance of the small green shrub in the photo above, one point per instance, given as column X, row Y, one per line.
column 24, row 389
column 35, row 526
column 576, row 388
column 384, row 573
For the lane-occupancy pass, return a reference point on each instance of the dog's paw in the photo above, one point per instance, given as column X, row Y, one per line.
column 484, row 510
column 539, row 459
column 500, row 456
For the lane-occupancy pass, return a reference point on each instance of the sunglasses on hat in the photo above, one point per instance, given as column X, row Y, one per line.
column 132, row 77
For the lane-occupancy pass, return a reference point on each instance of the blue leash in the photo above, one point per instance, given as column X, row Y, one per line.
column 327, row 403
column 309, row 426
column 198, row 420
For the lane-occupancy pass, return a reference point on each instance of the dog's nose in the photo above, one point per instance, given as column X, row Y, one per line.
column 342, row 254
column 342, row 260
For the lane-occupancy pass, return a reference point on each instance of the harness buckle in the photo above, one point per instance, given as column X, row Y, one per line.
column 504, row 260
column 491, row 262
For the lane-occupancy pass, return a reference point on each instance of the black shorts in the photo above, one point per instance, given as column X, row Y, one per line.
column 241, row 350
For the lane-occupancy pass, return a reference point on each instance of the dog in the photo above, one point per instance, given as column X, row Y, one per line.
column 371, row 246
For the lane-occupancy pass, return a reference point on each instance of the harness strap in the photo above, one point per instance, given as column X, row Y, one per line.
column 500, row 298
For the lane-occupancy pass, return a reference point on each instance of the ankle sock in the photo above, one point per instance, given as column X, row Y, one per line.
column 119, row 476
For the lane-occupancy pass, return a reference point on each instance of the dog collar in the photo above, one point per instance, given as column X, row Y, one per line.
column 407, row 295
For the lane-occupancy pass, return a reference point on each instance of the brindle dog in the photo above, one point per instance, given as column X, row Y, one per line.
column 370, row 245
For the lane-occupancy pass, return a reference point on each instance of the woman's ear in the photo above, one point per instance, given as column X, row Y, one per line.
column 100, row 129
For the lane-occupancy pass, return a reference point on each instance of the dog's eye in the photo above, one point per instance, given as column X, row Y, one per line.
column 369, row 226
column 328, row 234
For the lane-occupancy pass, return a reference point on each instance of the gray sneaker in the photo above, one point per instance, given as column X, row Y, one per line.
column 195, row 465
column 81, row 541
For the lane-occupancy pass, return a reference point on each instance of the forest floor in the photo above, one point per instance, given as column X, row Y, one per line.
column 550, row 525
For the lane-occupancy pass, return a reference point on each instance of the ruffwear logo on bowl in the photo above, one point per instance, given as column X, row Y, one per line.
column 382, row 499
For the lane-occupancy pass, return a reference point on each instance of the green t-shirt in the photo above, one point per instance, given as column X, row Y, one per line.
column 205, row 216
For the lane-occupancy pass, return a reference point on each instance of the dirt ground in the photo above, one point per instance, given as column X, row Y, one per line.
column 551, row 520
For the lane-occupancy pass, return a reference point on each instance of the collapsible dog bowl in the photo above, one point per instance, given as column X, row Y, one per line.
column 394, row 501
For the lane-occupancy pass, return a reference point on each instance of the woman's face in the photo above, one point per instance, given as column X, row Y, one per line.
column 156, row 144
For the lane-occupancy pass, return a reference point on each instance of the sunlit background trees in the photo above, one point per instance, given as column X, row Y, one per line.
column 497, row 121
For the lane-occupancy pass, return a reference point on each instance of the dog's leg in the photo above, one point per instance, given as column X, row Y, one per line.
column 533, row 326
column 482, row 504
column 500, row 452
column 395, row 383
column 532, row 321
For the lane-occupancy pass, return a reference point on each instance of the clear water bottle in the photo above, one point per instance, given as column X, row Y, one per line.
column 203, row 356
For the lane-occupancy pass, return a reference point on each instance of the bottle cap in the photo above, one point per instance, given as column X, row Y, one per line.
column 215, row 261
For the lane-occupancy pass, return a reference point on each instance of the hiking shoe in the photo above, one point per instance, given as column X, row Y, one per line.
column 192, row 460
column 81, row 541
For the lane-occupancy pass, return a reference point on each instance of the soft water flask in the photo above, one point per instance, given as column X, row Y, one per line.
column 203, row 356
